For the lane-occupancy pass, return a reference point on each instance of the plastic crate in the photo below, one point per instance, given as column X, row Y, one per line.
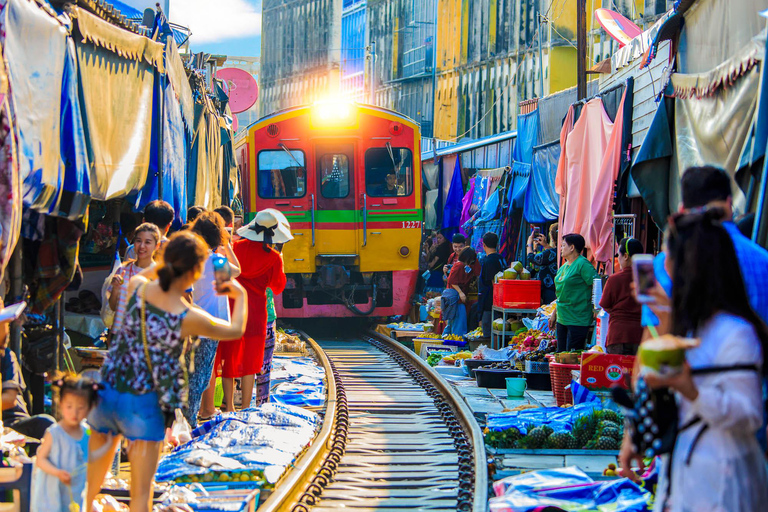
column 536, row 367
column 516, row 294
column 561, row 378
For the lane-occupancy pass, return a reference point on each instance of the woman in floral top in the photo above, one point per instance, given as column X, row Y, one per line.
column 144, row 374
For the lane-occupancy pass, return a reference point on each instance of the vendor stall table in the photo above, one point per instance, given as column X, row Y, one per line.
column 498, row 338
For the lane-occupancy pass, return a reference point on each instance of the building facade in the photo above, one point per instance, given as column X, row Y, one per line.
column 458, row 67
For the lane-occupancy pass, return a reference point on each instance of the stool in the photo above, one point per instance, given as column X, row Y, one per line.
column 11, row 481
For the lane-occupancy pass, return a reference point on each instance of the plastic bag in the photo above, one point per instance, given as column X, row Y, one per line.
column 559, row 419
column 181, row 432
column 570, row 489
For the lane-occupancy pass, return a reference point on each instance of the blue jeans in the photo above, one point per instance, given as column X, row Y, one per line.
column 200, row 378
column 136, row 417
column 459, row 323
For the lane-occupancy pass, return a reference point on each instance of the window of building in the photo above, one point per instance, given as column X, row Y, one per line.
column 281, row 174
column 334, row 175
column 388, row 172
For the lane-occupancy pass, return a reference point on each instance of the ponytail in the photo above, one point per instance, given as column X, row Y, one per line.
column 165, row 277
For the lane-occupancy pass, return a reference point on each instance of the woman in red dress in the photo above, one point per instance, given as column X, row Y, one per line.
column 261, row 268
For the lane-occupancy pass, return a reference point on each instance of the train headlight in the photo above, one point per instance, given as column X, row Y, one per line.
column 404, row 251
column 338, row 112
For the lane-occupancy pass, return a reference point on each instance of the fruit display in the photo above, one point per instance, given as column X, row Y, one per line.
column 664, row 355
column 447, row 337
column 532, row 340
column 517, row 271
column 223, row 476
column 600, row 430
column 452, row 359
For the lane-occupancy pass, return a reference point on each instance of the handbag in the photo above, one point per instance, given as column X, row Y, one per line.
column 39, row 349
column 652, row 414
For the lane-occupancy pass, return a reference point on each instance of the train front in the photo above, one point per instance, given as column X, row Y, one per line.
column 348, row 178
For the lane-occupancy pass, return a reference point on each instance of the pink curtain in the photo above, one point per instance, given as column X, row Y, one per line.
column 586, row 175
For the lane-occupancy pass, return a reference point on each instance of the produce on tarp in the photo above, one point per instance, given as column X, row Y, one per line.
column 583, row 426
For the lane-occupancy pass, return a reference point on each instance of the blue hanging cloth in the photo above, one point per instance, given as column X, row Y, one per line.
column 453, row 203
column 150, row 191
column 527, row 137
column 542, row 203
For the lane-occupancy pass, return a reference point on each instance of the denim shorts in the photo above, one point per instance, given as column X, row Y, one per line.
column 135, row 417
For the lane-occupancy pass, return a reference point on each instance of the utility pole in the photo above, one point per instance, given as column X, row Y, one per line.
column 581, row 49
column 371, row 49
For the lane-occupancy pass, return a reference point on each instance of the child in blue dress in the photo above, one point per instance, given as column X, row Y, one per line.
column 60, row 472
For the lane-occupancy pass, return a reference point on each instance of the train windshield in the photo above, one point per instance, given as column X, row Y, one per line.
column 388, row 172
column 282, row 173
column 334, row 175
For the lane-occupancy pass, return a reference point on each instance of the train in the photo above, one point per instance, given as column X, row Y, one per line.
column 347, row 176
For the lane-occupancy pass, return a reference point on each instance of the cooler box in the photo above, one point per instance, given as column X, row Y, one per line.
column 516, row 294
column 604, row 371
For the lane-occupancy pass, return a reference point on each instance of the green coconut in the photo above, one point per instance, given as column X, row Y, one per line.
column 510, row 273
column 517, row 266
column 525, row 275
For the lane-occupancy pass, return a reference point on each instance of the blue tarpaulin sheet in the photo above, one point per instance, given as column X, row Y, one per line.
column 527, row 137
column 453, row 203
column 542, row 203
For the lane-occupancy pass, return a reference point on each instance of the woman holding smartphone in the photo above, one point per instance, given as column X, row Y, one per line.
column 574, row 314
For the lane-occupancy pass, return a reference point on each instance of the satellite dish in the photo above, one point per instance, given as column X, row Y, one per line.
column 243, row 90
column 618, row 27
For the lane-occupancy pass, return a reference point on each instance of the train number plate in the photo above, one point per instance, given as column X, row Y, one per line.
column 412, row 224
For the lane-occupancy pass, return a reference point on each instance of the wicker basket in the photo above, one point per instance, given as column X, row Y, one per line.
column 561, row 378
column 536, row 367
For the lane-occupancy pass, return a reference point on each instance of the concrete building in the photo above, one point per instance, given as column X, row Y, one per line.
column 458, row 67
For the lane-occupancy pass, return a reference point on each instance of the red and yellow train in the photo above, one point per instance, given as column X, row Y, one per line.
column 348, row 178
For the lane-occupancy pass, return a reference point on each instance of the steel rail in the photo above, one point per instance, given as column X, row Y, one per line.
column 294, row 483
column 365, row 448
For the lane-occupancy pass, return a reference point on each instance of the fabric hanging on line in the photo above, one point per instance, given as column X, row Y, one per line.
column 430, row 212
column 479, row 192
column 174, row 156
column 466, row 206
column 177, row 77
column 56, row 263
column 586, row 174
column 117, row 102
column 10, row 183
column 452, row 208
column 515, row 185
column 527, row 137
column 206, row 156
column 516, row 192
column 542, row 203
column 687, row 130
column 431, row 171
column 35, row 50
column 76, row 191
column 553, row 109
column 151, row 189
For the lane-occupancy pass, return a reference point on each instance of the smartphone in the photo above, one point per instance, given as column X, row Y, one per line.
column 536, row 232
column 644, row 276
column 222, row 271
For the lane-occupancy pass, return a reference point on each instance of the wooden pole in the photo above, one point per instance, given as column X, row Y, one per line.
column 581, row 49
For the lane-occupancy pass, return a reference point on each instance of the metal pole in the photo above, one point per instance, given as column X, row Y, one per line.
column 372, row 56
column 434, row 72
column 581, row 49
column 17, row 294
column 541, row 63
column 160, row 142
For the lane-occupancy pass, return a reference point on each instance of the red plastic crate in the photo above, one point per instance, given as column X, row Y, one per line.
column 561, row 377
column 516, row 294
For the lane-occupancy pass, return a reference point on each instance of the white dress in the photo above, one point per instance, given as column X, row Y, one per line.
column 726, row 469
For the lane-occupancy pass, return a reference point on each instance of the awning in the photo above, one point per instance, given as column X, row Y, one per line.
column 469, row 145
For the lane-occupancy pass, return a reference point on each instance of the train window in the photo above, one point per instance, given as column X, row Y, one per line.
column 388, row 172
column 334, row 175
column 282, row 174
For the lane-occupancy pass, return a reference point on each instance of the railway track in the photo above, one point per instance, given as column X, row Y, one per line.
column 396, row 437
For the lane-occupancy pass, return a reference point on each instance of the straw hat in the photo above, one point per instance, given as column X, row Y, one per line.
column 269, row 226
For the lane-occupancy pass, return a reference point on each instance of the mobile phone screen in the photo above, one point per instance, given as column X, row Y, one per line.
column 222, row 271
column 644, row 277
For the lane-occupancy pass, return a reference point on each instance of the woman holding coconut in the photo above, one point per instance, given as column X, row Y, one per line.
column 716, row 462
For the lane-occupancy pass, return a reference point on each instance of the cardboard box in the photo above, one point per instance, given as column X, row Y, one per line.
column 604, row 371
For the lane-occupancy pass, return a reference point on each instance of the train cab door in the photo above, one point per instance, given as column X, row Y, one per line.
column 392, row 216
column 336, row 214
column 284, row 184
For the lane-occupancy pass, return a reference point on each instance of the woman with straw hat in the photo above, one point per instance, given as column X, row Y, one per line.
column 261, row 268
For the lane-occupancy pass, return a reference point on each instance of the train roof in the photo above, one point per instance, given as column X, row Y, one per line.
column 364, row 106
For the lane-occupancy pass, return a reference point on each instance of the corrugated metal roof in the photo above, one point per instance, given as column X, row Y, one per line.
column 469, row 145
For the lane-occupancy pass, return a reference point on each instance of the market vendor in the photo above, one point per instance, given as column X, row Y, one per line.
column 15, row 415
column 458, row 243
column 574, row 313
column 463, row 273
column 624, row 329
column 437, row 257
column 542, row 255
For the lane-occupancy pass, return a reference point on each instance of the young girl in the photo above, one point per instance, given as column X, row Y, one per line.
column 145, row 243
column 60, row 475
